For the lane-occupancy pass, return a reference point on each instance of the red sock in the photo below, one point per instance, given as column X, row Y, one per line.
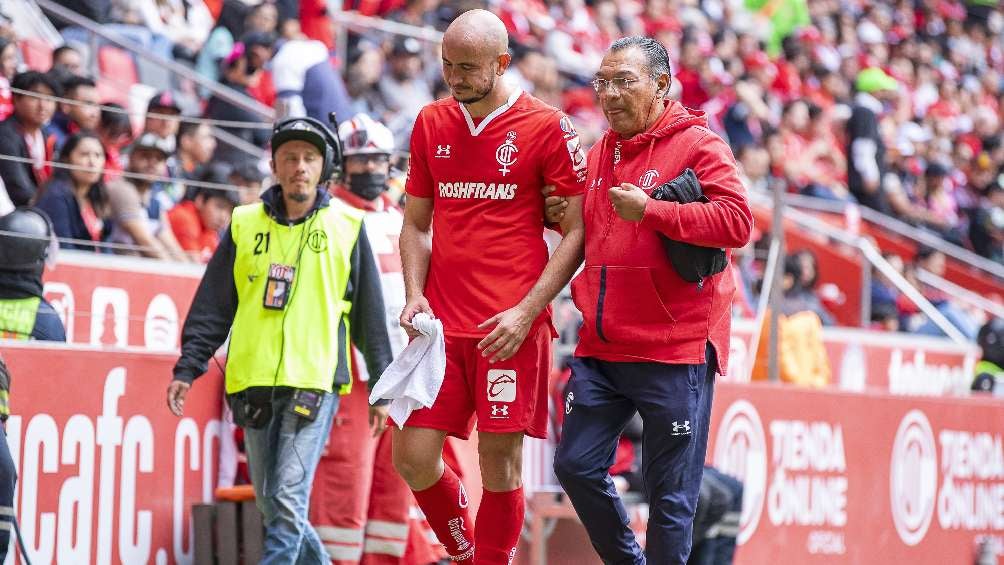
column 445, row 508
column 500, row 521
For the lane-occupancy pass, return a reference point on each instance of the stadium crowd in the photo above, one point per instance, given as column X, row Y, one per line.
column 895, row 106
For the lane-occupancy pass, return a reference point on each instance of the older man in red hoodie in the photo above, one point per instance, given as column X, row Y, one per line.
column 654, row 333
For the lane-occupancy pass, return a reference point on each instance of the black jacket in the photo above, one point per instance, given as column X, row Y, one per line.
column 220, row 109
column 59, row 202
column 215, row 304
column 18, row 177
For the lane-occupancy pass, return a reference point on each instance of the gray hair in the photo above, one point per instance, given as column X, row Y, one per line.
column 655, row 54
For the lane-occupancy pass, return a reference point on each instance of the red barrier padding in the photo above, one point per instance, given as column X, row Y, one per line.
column 106, row 474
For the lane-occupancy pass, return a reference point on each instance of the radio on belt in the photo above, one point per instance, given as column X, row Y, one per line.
column 306, row 403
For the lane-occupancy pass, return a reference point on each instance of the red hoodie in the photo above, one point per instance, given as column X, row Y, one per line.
column 635, row 306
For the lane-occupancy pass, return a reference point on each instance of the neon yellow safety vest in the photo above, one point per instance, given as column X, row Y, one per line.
column 298, row 345
column 17, row 317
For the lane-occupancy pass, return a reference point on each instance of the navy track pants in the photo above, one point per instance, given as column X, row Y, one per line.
column 675, row 405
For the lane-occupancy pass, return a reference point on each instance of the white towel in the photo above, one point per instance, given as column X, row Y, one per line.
column 412, row 380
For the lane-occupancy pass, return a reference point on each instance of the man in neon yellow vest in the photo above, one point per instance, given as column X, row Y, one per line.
column 25, row 236
column 293, row 280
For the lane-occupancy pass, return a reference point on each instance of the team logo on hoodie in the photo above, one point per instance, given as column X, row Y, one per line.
column 647, row 180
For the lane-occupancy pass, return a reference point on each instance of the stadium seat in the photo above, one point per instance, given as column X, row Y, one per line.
column 37, row 53
column 117, row 72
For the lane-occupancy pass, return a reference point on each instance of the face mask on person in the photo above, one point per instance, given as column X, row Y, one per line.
column 368, row 185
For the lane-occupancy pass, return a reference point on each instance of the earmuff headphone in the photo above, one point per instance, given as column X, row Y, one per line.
column 333, row 146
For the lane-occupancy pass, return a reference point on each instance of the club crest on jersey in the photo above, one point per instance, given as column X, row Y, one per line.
column 506, row 153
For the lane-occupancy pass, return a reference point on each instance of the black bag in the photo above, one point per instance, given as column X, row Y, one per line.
column 252, row 407
column 692, row 262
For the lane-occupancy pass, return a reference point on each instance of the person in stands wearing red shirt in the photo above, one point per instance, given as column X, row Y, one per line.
column 651, row 341
column 197, row 222
column 479, row 263
column 22, row 137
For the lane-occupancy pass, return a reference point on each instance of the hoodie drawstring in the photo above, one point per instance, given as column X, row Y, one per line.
column 648, row 165
column 651, row 149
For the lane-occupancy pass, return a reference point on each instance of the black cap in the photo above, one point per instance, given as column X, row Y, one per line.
column 217, row 173
column 935, row 169
column 247, row 171
column 301, row 130
column 164, row 100
column 991, row 340
column 406, row 46
column 262, row 38
column 150, row 140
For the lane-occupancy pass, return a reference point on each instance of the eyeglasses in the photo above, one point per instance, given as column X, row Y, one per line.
column 615, row 85
column 367, row 158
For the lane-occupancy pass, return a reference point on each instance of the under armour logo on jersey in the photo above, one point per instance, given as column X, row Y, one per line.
column 568, row 403
column 462, row 502
column 681, row 429
column 500, row 411
column 442, row 151
column 506, row 153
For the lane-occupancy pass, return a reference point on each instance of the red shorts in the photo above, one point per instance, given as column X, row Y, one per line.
column 508, row 396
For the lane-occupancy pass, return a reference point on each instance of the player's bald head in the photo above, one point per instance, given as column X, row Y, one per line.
column 478, row 30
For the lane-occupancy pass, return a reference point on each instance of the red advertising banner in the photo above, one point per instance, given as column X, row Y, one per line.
column 834, row 477
column 106, row 474
column 124, row 301
column 106, row 300
column 860, row 360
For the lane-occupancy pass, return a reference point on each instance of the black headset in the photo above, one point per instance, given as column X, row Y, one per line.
column 333, row 146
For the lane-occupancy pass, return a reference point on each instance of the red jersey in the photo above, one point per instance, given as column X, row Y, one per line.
column 485, row 179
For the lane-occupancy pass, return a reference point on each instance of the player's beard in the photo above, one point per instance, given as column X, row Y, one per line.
column 478, row 96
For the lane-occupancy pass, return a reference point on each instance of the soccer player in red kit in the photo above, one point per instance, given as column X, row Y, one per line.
column 474, row 256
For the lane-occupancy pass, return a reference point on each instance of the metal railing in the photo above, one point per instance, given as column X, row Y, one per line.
column 871, row 257
column 352, row 21
column 961, row 294
column 359, row 21
column 228, row 94
column 902, row 229
column 30, row 21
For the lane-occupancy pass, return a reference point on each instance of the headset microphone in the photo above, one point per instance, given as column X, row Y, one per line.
column 339, row 156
